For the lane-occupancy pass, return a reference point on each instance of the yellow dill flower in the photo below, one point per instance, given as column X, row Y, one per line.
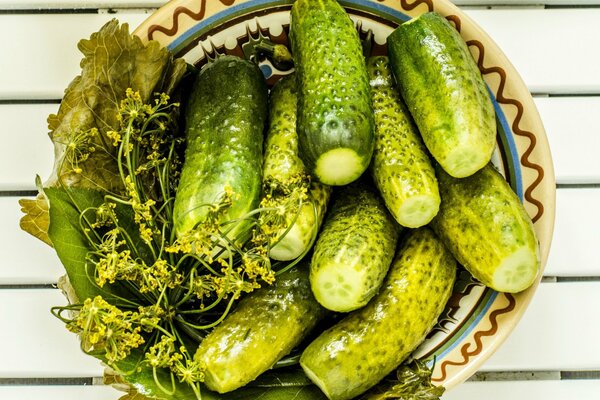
column 107, row 329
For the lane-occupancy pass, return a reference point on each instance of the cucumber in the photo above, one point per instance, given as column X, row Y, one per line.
column 335, row 116
column 445, row 93
column 354, row 249
column 359, row 351
column 400, row 166
column 265, row 326
column 486, row 227
column 224, row 126
column 285, row 176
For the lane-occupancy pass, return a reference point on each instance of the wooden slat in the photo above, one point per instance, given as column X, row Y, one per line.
column 75, row 4
column 48, row 392
column 26, row 260
column 526, row 390
column 549, row 337
column 559, row 331
column 35, row 342
column 26, row 149
column 550, row 60
column 43, row 58
column 555, row 51
column 573, row 251
column 573, row 130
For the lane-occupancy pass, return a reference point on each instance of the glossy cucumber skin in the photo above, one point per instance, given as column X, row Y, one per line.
column 444, row 91
column 224, row 123
column 482, row 222
column 265, row 326
column 334, row 102
column 359, row 351
column 400, row 167
column 283, row 171
column 358, row 238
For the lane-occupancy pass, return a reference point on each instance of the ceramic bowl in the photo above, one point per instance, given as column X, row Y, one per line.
column 477, row 319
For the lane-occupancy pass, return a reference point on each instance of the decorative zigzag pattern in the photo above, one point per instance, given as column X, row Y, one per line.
column 196, row 16
column 465, row 349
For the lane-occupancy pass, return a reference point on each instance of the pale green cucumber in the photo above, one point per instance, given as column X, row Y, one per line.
column 486, row 227
column 335, row 116
column 354, row 249
column 265, row 326
column 359, row 351
column 445, row 93
column 286, row 179
column 400, row 166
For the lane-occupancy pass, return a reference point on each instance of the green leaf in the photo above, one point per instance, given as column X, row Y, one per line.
column 71, row 244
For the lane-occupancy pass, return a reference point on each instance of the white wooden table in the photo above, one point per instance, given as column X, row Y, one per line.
column 553, row 354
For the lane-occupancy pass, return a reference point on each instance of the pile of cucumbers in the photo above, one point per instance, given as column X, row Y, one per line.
column 393, row 154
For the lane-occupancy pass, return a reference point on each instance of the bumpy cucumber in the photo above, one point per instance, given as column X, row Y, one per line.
column 284, row 175
column 354, row 249
column 445, row 93
column 368, row 344
column 335, row 116
column 400, row 167
column 265, row 326
column 224, row 125
column 486, row 227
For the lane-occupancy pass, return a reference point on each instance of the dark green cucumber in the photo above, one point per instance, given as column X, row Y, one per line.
column 359, row 351
column 445, row 93
column 354, row 249
column 224, row 131
column 486, row 227
column 335, row 116
column 285, row 176
column 265, row 326
column 400, row 167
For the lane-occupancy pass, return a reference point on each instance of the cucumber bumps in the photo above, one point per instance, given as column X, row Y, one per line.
column 359, row 351
column 486, row 227
column 285, row 176
column 445, row 93
column 335, row 116
column 400, row 167
column 224, row 132
column 354, row 249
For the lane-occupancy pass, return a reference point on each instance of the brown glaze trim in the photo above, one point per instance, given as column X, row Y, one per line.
column 411, row 6
column 454, row 19
column 515, row 128
column 197, row 16
column 465, row 352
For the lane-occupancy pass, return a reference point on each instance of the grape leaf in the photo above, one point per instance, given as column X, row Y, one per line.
column 113, row 61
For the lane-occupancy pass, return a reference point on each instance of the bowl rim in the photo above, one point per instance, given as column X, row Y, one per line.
column 511, row 93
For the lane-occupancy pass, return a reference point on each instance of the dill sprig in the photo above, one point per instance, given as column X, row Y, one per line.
column 180, row 287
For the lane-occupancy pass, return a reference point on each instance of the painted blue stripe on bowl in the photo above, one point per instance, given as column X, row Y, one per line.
column 509, row 140
column 467, row 331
